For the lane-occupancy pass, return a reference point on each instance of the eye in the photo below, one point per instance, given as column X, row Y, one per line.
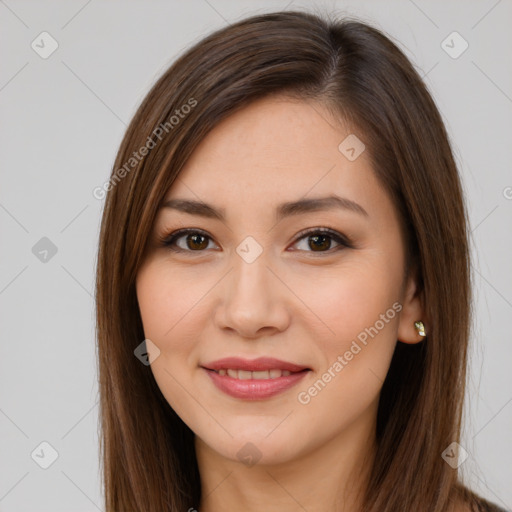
column 195, row 240
column 320, row 240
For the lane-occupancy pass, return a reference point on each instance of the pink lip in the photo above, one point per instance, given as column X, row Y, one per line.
column 254, row 389
column 254, row 365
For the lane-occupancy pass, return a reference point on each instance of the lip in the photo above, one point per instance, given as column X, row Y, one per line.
column 254, row 389
column 254, row 365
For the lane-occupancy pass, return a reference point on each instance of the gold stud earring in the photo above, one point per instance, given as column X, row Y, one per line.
column 420, row 328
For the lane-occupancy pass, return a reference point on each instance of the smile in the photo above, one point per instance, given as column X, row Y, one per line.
column 257, row 385
column 258, row 375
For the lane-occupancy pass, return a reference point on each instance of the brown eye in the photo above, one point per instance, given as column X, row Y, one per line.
column 320, row 240
column 194, row 241
column 317, row 240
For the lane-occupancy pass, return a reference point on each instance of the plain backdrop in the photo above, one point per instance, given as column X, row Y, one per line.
column 63, row 118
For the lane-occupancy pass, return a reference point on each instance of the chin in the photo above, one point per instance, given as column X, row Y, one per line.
column 250, row 449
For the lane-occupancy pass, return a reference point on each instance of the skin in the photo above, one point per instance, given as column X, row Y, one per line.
column 293, row 303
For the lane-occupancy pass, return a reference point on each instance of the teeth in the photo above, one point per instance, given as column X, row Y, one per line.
column 259, row 375
column 265, row 374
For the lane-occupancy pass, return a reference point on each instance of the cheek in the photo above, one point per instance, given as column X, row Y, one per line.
column 167, row 297
column 356, row 337
column 355, row 357
column 164, row 301
column 173, row 311
column 343, row 302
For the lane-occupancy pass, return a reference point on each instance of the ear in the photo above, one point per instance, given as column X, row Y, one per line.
column 412, row 311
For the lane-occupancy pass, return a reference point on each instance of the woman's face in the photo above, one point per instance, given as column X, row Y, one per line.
column 248, row 282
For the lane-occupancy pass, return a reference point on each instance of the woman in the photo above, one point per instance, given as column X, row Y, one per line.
column 283, row 288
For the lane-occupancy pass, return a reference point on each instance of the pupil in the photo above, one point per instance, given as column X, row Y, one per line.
column 320, row 246
column 194, row 239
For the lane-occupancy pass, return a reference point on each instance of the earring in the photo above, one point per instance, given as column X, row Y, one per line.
column 420, row 328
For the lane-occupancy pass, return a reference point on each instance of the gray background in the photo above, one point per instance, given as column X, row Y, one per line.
column 62, row 121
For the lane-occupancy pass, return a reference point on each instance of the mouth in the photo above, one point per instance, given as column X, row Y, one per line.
column 258, row 379
column 238, row 374
column 261, row 364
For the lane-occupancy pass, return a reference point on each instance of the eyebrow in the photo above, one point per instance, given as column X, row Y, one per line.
column 287, row 209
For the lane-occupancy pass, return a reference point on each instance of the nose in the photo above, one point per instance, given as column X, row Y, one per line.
column 253, row 302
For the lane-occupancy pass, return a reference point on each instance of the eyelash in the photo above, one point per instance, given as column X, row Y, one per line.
column 168, row 241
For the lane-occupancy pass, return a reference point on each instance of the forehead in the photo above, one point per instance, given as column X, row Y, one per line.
column 274, row 149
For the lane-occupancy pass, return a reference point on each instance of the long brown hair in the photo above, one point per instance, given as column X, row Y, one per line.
column 363, row 77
